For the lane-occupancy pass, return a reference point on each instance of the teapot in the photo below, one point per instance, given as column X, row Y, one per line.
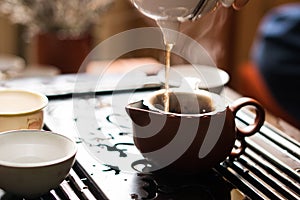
column 180, row 10
column 197, row 133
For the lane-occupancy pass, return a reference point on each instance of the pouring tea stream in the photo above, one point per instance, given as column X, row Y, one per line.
column 168, row 15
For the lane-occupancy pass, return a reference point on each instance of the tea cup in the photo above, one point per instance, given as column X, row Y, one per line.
column 21, row 109
column 195, row 134
column 32, row 162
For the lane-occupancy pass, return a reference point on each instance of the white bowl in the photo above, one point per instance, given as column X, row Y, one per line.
column 210, row 78
column 32, row 162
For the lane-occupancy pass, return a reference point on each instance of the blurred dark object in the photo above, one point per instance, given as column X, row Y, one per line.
column 273, row 74
column 65, row 53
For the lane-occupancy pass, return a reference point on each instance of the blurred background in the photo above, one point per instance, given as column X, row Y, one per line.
column 238, row 34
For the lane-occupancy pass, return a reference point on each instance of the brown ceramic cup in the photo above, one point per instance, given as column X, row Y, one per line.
column 197, row 133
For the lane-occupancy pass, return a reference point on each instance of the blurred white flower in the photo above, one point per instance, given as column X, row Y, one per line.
column 65, row 17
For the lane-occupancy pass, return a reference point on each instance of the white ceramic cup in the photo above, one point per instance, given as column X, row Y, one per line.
column 32, row 162
column 21, row 109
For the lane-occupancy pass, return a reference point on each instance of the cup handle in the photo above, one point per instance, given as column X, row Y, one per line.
column 251, row 128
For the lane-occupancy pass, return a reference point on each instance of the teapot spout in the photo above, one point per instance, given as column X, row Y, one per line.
column 138, row 113
column 137, row 105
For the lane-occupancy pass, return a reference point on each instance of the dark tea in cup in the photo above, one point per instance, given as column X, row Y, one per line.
column 181, row 102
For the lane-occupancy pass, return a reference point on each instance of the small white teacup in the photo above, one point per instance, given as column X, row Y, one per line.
column 21, row 109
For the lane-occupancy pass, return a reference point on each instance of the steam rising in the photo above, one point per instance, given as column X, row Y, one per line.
column 209, row 32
